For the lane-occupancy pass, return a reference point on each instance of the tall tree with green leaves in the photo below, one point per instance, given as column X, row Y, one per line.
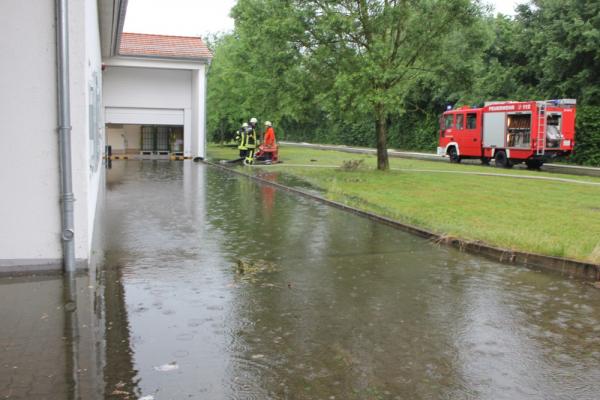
column 565, row 47
column 257, row 70
column 380, row 48
column 271, row 63
column 226, row 89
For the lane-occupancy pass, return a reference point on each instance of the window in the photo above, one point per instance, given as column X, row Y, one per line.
column 460, row 122
column 471, row 121
column 448, row 121
column 148, row 138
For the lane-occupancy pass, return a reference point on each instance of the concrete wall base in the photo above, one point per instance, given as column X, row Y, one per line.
column 36, row 266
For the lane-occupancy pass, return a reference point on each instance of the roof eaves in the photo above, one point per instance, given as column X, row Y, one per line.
column 120, row 23
column 202, row 60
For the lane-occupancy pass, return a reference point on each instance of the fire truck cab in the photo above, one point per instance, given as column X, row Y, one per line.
column 509, row 132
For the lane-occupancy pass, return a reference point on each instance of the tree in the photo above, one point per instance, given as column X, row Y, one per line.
column 225, row 110
column 336, row 71
column 378, row 49
column 565, row 38
column 549, row 50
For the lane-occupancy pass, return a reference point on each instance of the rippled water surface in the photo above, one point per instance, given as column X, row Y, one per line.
column 214, row 287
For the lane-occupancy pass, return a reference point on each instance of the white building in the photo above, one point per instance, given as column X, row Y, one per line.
column 154, row 92
column 131, row 82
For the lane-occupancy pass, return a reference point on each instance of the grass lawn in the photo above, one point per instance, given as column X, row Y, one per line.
column 540, row 216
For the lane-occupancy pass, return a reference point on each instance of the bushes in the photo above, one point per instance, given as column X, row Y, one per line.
column 587, row 136
column 410, row 131
column 415, row 131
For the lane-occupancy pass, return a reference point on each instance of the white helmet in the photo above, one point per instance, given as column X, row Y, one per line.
column 268, row 123
column 245, row 125
column 253, row 120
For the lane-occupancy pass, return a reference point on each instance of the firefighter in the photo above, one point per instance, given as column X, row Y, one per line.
column 250, row 141
column 253, row 122
column 241, row 137
column 269, row 141
column 239, row 132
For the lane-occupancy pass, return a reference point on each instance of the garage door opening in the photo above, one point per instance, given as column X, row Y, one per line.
column 145, row 141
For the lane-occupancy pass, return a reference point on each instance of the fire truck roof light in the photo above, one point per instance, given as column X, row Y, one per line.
column 562, row 102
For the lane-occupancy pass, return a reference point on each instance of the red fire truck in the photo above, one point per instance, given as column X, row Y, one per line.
column 509, row 132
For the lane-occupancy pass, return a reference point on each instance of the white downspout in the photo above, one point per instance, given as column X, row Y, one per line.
column 64, row 137
column 66, row 196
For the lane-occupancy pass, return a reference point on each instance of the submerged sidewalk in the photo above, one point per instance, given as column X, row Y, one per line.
column 215, row 287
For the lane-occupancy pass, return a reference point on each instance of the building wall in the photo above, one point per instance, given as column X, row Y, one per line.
column 93, row 72
column 29, row 171
column 86, row 89
column 147, row 88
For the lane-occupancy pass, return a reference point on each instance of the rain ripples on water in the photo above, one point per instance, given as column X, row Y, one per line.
column 215, row 287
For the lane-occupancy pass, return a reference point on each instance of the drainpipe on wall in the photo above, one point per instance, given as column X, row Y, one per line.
column 66, row 197
column 64, row 137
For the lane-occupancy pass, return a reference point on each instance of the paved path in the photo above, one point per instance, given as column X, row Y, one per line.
column 557, row 168
column 493, row 174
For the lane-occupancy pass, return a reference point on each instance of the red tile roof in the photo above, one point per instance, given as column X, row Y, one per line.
column 161, row 46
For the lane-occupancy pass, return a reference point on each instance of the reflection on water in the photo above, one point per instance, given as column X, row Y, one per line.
column 325, row 304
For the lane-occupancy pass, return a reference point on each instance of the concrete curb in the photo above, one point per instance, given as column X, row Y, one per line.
column 564, row 266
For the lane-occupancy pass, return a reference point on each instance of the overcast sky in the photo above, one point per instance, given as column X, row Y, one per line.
column 201, row 17
column 178, row 17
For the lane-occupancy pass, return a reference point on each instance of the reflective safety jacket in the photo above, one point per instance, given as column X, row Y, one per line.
column 249, row 139
column 241, row 136
column 270, row 136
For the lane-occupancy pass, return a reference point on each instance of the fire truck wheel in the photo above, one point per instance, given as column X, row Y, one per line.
column 533, row 164
column 502, row 161
column 453, row 155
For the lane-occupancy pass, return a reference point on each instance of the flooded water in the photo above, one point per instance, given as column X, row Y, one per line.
column 214, row 287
